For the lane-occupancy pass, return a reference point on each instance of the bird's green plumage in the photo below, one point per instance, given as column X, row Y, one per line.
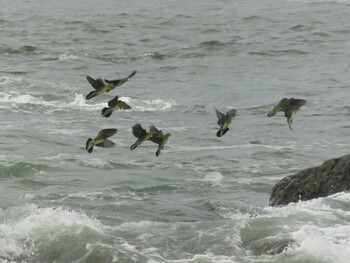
column 141, row 135
column 159, row 138
column 114, row 104
column 224, row 121
column 162, row 143
column 101, row 140
column 101, row 86
column 290, row 107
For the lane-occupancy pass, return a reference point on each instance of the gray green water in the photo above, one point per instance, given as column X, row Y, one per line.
column 204, row 199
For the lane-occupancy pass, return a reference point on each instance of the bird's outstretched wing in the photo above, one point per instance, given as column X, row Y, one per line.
column 113, row 102
column 157, row 136
column 106, row 144
column 221, row 117
column 97, row 84
column 231, row 113
column 138, row 131
column 123, row 105
column 297, row 103
column 114, row 82
column 132, row 74
column 106, row 133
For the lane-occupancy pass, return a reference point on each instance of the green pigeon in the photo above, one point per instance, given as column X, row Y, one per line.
column 159, row 138
column 224, row 121
column 101, row 140
column 114, row 104
column 102, row 86
column 289, row 107
column 141, row 135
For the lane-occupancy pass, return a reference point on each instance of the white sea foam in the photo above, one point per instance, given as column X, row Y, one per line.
column 95, row 162
column 5, row 80
column 83, row 160
column 214, row 177
column 79, row 102
column 327, row 244
column 138, row 226
column 23, row 99
column 149, row 105
column 207, row 258
column 67, row 57
column 243, row 146
column 136, row 104
column 324, row 232
column 30, row 224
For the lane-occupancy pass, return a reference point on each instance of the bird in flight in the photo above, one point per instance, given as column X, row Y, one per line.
column 159, row 138
column 101, row 140
column 290, row 107
column 141, row 134
column 102, row 86
column 114, row 104
column 224, row 120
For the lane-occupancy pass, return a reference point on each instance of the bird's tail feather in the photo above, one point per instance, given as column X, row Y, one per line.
column 133, row 147
column 91, row 95
column 221, row 132
column 158, row 152
column 226, row 130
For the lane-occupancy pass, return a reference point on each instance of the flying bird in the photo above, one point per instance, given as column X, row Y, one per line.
column 114, row 104
column 102, row 86
column 290, row 107
column 224, row 121
column 141, row 135
column 159, row 138
column 101, row 140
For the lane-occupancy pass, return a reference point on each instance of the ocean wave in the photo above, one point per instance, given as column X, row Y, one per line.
column 67, row 57
column 79, row 102
column 82, row 160
column 329, row 244
column 207, row 258
column 6, row 80
column 140, row 226
column 221, row 147
column 26, row 49
column 23, row 99
column 153, row 55
column 317, row 229
column 54, row 105
column 30, row 228
column 214, row 177
column 19, row 169
column 279, row 53
column 149, row 105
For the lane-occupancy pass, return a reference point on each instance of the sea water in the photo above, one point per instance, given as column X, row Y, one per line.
column 204, row 199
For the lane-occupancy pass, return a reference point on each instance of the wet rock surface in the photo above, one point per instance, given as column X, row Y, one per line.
column 331, row 177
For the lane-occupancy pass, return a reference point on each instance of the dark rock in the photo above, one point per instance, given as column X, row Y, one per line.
column 331, row 177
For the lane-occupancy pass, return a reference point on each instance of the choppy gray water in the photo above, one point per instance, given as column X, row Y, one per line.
column 204, row 199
